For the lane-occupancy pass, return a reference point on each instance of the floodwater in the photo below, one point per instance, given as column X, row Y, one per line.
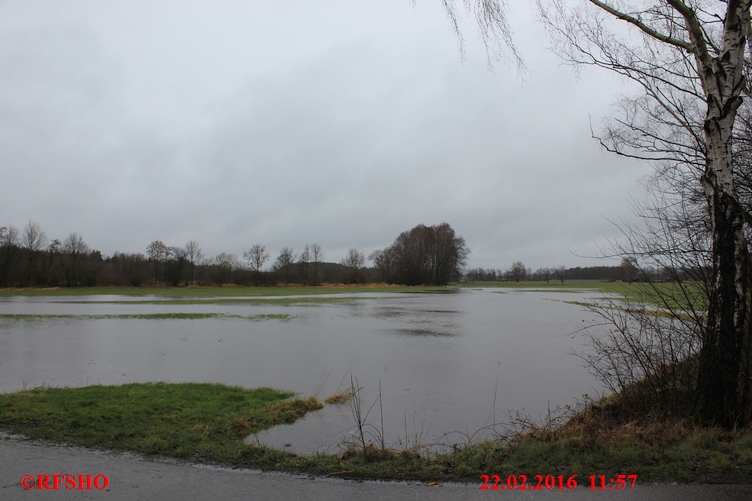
column 445, row 365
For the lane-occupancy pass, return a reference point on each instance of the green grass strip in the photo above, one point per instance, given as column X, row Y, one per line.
column 195, row 421
column 672, row 295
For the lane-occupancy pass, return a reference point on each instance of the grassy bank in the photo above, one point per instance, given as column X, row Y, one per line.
column 660, row 294
column 207, row 423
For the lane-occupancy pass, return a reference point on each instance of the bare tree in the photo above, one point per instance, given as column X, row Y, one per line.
column 222, row 267
column 629, row 268
column 517, row 272
column 157, row 252
column 383, row 260
column 55, row 252
column 132, row 267
column 354, row 261
column 317, row 256
column 34, row 240
column 560, row 273
column 175, row 264
column 543, row 274
column 284, row 264
column 448, row 255
column 427, row 255
column 74, row 250
column 304, row 261
column 194, row 255
column 9, row 243
column 256, row 257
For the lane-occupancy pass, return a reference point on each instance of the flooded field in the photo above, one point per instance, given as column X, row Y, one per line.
column 440, row 360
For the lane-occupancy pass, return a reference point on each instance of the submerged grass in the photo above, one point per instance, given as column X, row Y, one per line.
column 207, row 423
column 231, row 301
column 636, row 311
column 209, row 292
column 224, row 295
column 144, row 316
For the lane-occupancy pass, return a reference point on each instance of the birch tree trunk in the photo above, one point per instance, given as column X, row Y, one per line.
column 723, row 81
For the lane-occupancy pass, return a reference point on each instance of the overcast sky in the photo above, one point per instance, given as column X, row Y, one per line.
column 285, row 123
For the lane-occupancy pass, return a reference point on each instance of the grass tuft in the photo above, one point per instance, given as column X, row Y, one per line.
column 340, row 397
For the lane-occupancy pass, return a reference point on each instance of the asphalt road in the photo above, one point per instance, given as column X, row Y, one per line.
column 135, row 478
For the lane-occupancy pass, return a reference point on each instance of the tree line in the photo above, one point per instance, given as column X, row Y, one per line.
column 628, row 271
column 28, row 258
column 424, row 255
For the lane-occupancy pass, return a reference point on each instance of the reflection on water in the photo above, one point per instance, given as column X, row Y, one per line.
column 436, row 357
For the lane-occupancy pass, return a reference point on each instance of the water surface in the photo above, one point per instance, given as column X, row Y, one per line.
column 440, row 359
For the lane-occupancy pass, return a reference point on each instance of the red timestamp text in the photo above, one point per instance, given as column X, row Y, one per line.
column 555, row 482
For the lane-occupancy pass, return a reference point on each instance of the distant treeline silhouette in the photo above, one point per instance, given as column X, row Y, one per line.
column 28, row 258
column 424, row 255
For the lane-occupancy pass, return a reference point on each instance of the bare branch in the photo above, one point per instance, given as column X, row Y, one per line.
column 642, row 26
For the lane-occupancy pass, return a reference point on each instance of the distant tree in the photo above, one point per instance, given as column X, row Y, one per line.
column 447, row 255
column 482, row 275
column 560, row 273
column 428, row 255
column 317, row 256
column 74, row 251
column 475, row 275
column 90, row 268
column 284, row 264
column 9, row 252
column 304, row 261
column 383, row 261
column 54, row 253
column 353, row 262
column 157, row 253
column 34, row 240
column 629, row 268
column 256, row 257
column 175, row 264
column 222, row 268
column 194, row 255
column 517, row 272
column 132, row 267
column 543, row 274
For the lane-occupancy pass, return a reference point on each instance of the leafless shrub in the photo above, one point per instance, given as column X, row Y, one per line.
column 648, row 356
column 365, row 430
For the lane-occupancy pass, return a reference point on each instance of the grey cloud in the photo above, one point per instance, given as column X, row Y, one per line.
column 344, row 127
